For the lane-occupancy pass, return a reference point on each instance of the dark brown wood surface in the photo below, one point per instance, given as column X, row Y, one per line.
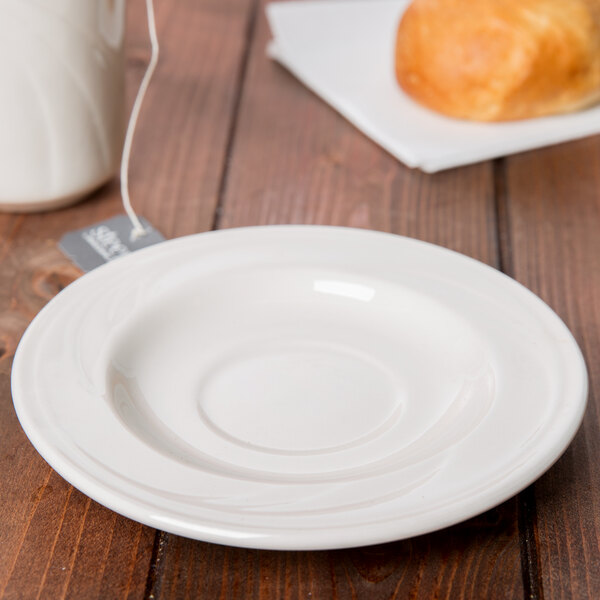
column 226, row 139
column 551, row 219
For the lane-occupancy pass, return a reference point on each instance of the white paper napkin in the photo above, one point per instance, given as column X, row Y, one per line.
column 344, row 51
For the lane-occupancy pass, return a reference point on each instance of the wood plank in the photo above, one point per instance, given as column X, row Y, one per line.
column 54, row 541
column 296, row 161
column 477, row 559
column 552, row 222
column 180, row 145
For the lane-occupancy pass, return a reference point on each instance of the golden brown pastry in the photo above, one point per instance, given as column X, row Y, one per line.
column 496, row 60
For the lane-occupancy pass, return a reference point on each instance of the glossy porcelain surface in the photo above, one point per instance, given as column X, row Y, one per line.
column 62, row 102
column 298, row 387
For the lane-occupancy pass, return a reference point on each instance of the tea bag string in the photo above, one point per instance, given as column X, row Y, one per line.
column 138, row 229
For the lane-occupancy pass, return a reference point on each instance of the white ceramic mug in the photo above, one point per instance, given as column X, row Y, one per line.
column 61, row 99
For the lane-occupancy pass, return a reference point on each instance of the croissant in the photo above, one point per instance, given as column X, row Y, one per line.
column 498, row 60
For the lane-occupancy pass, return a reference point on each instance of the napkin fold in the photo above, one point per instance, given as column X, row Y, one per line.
column 344, row 51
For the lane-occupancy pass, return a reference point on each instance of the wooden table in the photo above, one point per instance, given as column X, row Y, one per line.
column 227, row 139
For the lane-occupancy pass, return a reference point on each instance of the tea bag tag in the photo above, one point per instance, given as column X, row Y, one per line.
column 102, row 242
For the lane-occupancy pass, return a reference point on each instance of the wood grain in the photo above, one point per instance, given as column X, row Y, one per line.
column 294, row 160
column 55, row 542
column 180, row 146
column 477, row 559
column 552, row 224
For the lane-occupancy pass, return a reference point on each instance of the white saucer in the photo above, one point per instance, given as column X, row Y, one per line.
column 298, row 387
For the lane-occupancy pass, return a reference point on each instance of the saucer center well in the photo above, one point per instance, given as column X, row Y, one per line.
column 299, row 398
